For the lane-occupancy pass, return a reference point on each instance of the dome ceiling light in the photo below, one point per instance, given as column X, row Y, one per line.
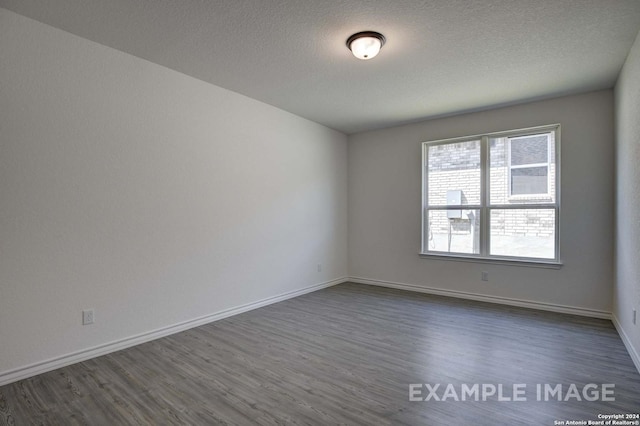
column 366, row 44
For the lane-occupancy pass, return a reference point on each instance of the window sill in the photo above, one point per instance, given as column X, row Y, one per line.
column 530, row 263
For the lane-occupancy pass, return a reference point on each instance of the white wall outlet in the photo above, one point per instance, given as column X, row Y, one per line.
column 484, row 276
column 634, row 316
column 319, row 267
column 87, row 317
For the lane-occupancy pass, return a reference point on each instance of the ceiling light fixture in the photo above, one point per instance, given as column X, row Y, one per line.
column 365, row 45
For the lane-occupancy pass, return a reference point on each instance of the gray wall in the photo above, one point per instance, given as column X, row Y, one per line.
column 385, row 203
column 150, row 196
column 627, row 265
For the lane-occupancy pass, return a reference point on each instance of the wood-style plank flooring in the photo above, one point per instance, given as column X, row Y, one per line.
column 343, row 355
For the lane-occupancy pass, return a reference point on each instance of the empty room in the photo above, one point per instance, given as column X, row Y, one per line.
column 320, row 212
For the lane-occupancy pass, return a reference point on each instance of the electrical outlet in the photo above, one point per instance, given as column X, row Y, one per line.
column 634, row 316
column 484, row 276
column 87, row 317
column 319, row 267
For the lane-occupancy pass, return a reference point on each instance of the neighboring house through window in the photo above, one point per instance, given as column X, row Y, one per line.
column 529, row 165
column 493, row 196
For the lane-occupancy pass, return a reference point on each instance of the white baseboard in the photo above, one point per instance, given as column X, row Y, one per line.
column 627, row 342
column 485, row 298
column 20, row 373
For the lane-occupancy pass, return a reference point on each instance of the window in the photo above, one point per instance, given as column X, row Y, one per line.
column 529, row 165
column 493, row 196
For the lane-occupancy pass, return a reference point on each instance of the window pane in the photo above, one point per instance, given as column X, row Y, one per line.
column 453, row 231
column 454, row 173
column 529, row 150
column 521, row 184
column 523, row 233
column 529, row 180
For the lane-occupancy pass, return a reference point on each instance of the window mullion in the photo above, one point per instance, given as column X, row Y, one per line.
column 425, row 198
column 485, row 169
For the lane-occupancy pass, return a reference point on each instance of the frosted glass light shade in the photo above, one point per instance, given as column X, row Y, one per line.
column 365, row 45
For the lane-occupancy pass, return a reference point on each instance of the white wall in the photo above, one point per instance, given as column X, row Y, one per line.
column 148, row 195
column 627, row 265
column 385, row 204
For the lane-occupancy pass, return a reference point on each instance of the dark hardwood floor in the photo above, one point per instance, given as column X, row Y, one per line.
column 343, row 355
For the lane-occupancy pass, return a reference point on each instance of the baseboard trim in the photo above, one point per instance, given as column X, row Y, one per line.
column 485, row 298
column 635, row 357
column 27, row 371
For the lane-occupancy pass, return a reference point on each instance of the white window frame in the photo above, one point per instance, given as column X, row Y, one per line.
column 485, row 205
column 526, row 166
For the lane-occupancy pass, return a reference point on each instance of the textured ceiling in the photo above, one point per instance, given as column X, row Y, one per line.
column 441, row 56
